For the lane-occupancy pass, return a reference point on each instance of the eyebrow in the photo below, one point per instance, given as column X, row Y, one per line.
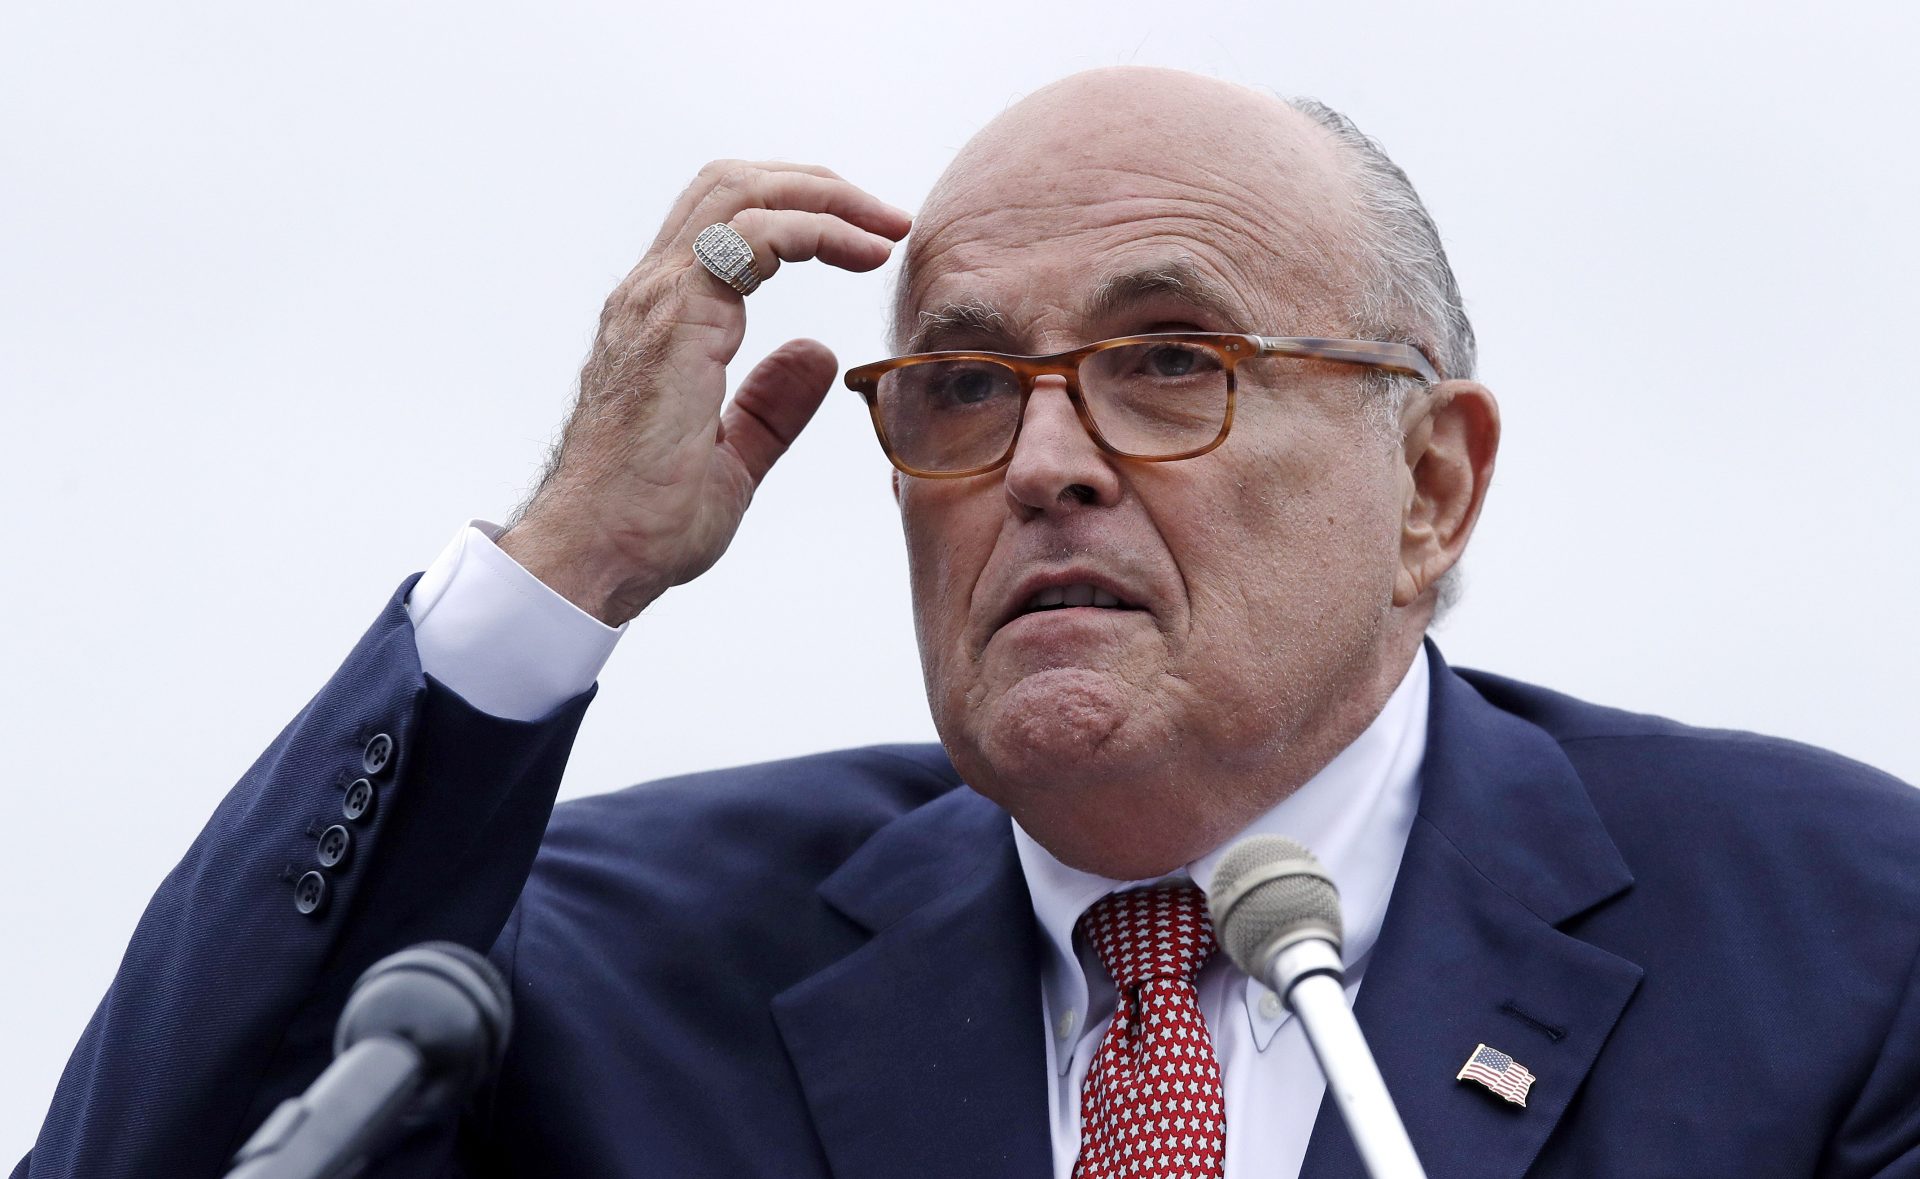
column 974, row 319
column 978, row 322
column 1178, row 278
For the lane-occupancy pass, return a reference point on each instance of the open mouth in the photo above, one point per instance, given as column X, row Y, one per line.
column 1061, row 597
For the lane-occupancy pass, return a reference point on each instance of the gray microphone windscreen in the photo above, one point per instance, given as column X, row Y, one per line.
column 1266, row 888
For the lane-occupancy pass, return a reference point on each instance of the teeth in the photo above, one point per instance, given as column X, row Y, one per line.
column 1073, row 595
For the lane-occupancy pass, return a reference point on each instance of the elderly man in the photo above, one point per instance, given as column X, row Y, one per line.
column 1187, row 444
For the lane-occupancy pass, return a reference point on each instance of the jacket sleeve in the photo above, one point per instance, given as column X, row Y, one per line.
column 389, row 812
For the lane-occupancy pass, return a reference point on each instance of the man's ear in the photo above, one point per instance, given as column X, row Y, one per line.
column 1451, row 433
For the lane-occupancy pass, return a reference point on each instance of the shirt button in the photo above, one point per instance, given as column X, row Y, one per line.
column 1066, row 1023
column 1270, row 1006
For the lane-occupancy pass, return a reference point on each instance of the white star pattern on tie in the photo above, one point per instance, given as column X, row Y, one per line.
column 1152, row 1106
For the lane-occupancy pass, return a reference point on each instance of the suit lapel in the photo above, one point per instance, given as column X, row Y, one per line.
column 922, row 1052
column 1506, row 848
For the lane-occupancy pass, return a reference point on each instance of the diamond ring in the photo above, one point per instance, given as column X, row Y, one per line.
column 727, row 256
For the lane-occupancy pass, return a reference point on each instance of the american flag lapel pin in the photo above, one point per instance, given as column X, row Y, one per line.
column 1498, row 1072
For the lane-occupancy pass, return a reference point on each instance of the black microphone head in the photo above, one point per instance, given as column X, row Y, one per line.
column 444, row 999
column 1269, row 891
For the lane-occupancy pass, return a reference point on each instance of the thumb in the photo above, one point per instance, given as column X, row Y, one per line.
column 775, row 403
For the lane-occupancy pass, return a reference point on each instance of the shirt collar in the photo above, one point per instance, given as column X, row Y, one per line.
column 1355, row 815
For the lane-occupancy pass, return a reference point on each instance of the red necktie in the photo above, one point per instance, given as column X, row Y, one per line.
column 1152, row 1107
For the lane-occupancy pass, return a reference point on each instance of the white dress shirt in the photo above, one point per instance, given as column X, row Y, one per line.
column 1354, row 815
column 499, row 637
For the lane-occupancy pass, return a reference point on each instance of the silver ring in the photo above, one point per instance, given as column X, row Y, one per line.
column 727, row 256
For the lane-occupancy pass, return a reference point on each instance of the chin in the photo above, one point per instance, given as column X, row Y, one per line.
column 1060, row 729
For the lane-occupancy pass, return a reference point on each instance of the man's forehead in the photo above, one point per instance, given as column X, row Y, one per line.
column 1123, row 187
column 970, row 310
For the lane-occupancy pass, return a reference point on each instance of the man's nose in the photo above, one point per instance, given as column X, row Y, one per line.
column 1056, row 466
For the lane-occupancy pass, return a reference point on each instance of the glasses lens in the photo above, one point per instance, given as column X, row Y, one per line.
column 1156, row 399
column 949, row 415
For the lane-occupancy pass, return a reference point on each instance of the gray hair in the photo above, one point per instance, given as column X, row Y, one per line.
column 1412, row 287
column 1410, row 296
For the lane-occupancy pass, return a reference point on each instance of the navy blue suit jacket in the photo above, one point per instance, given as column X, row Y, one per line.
column 1703, row 944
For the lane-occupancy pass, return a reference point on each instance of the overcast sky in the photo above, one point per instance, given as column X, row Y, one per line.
column 289, row 292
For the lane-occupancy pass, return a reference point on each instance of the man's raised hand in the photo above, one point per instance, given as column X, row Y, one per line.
column 651, row 477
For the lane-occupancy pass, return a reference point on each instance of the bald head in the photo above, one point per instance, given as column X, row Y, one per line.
column 1131, row 152
column 1320, row 232
column 1143, row 122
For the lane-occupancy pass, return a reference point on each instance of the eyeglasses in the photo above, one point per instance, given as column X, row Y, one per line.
column 1153, row 398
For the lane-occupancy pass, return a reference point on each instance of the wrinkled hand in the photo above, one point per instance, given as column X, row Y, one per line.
column 651, row 478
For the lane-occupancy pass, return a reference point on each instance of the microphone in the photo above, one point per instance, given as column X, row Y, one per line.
column 421, row 1029
column 1277, row 915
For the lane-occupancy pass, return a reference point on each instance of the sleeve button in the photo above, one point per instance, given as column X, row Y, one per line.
column 360, row 799
column 378, row 753
column 335, row 842
column 310, row 893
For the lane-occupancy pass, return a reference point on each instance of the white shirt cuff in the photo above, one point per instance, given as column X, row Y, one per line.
column 498, row 636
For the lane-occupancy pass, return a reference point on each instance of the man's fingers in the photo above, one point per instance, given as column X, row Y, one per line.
column 784, row 235
column 787, row 235
column 731, row 173
column 775, row 403
column 756, row 186
column 786, row 212
column 752, row 188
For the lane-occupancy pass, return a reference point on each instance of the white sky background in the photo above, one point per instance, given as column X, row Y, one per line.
column 288, row 292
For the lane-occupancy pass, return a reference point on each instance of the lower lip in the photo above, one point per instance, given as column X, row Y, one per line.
column 1064, row 617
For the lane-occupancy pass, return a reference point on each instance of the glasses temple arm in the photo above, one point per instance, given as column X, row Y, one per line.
column 1403, row 358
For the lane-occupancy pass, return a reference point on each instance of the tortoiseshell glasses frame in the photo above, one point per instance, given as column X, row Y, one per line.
column 1230, row 348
